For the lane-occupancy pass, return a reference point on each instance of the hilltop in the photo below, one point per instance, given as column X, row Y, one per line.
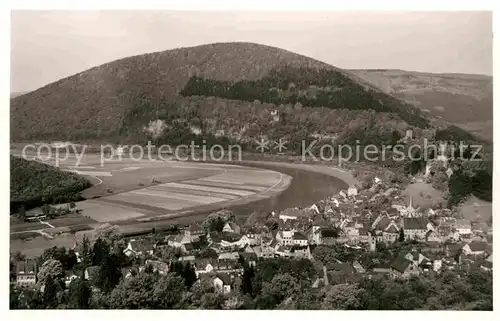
column 229, row 91
column 464, row 99
column 17, row 94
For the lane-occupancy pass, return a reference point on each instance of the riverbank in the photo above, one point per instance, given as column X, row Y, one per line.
column 310, row 183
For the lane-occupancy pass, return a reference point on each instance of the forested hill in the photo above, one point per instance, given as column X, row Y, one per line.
column 177, row 88
column 33, row 184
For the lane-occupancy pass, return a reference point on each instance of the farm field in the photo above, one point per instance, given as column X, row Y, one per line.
column 138, row 189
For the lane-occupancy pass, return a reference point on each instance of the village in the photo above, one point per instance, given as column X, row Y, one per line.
column 343, row 236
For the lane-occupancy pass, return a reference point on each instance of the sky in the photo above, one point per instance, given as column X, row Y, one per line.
column 49, row 45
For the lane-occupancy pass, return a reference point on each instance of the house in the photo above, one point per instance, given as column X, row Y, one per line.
column 223, row 283
column 229, row 256
column 390, row 234
column 381, row 222
column 401, row 267
column 486, row 265
column 231, row 227
column 70, row 277
column 364, row 235
column 448, row 233
column 301, row 252
column 26, row 272
column 250, row 258
column 415, row 228
column 489, row 258
column 284, row 251
column 299, row 239
column 229, row 239
column 414, row 256
column 437, row 265
column 266, row 251
column 463, row 226
column 91, row 272
column 181, row 241
column 194, row 229
column 203, row 266
column 358, row 267
column 275, row 115
column 328, row 236
column 315, row 208
column 352, row 191
column 34, row 215
column 139, row 247
column 426, row 265
column 475, row 248
column 253, row 235
column 158, row 266
column 434, row 237
column 187, row 258
column 285, row 237
column 454, row 249
column 350, row 229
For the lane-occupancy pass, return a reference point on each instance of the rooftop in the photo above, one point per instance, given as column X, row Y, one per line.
column 414, row 223
column 400, row 264
column 26, row 267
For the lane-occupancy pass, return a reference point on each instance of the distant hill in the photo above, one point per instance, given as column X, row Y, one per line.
column 231, row 91
column 464, row 99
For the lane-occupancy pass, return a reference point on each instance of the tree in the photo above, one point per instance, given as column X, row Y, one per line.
column 109, row 273
column 401, row 235
column 70, row 260
column 325, row 254
column 54, row 253
column 18, row 256
column 272, row 223
column 49, row 292
column 247, row 280
column 46, row 210
column 101, row 252
column 234, row 302
column 212, row 301
column 80, row 294
column 169, row 291
column 134, row 292
column 25, row 298
column 21, row 215
column 281, row 287
column 213, row 223
column 186, row 271
column 207, row 253
column 169, row 253
column 86, row 253
column 342, row 297
column 51, row 268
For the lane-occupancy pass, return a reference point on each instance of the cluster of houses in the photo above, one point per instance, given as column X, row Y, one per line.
column 440, row 241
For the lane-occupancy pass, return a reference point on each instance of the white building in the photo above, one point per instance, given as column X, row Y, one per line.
column 463, row 227
column 352, row 191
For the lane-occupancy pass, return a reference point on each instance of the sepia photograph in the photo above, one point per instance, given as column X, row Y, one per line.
column 251, row 160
